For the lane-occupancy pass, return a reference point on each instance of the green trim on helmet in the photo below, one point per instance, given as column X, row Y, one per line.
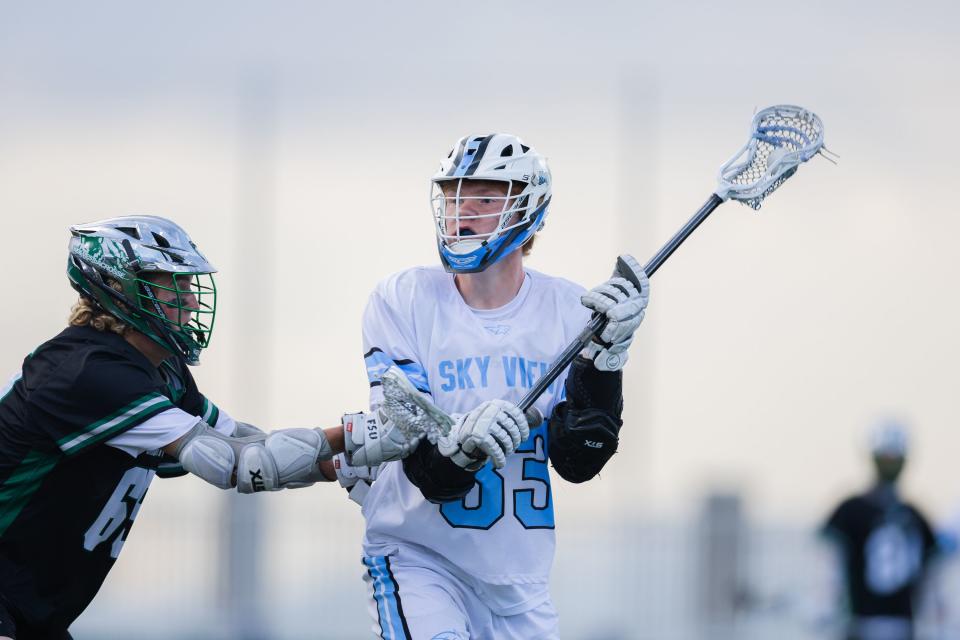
column 198, row 300
column 205, row 295
column 135, row 253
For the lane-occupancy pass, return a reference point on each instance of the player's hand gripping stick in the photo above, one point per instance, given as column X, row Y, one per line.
column 597, row 322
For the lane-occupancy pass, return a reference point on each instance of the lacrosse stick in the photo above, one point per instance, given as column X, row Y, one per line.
column 781, row 139
column 412, row 411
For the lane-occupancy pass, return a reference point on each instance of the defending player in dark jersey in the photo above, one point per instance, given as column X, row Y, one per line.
column 885, row 546
column 96, row 410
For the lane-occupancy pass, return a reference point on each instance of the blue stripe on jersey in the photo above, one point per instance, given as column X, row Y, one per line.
column 387, row 626
column 377, row 362
column 417, row 375
column 385, row 595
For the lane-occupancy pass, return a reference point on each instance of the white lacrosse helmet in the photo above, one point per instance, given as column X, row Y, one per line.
column 520, row 212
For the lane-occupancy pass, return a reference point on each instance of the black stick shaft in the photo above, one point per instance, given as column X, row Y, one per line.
column 666, row 250
column 596, row 323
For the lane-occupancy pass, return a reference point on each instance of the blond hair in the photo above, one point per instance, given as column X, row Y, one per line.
column 85, row 313
column 528, row 247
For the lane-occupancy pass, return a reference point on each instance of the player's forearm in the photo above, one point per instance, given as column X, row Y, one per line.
column 328, row 470
column 589, row 388
column 584, row 429
column 335, row 439
column 334, row 436
column 258, row 461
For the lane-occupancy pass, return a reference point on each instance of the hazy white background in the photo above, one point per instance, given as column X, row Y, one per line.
column 772, row 340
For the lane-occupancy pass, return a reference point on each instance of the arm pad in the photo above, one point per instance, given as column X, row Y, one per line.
column 581, row 442
column 168, row 466
column 210, row 455
column 287, row 458
column 584, row 430
column 438, row 477
column 590, row 388
column 284, row 458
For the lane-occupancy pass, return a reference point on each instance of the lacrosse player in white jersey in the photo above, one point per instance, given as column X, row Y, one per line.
column 460, row 535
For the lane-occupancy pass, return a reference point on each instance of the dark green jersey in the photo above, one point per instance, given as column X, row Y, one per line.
column 67, row 500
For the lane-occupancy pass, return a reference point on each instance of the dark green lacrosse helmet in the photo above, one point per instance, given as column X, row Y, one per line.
column 163, row 287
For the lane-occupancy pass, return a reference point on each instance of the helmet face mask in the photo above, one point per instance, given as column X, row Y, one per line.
column 482, row 180
column 456, row 212
column 186, row 304
column 146, row 272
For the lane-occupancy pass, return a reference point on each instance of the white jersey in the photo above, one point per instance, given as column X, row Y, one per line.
column 500, row 537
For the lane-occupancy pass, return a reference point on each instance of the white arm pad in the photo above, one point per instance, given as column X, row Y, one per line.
column 209, row 454
column 285, row 458
column 245, row 430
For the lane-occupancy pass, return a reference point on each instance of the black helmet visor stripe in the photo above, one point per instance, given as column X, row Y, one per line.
column 478, row 156
column 456, row 161
column 474, row 155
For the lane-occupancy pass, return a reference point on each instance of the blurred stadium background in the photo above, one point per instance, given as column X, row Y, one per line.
column 294, row 140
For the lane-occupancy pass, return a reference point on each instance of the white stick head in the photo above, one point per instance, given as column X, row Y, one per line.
column 782, row 137
column 412, row 411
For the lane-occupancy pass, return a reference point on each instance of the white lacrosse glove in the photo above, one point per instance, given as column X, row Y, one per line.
column 393, row 431
column 356, row 480
column 623, row 306
column 371, row 438
column 493, row 431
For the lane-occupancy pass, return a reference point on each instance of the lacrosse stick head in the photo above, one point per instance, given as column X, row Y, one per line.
column 782, row 138
column 411, row 410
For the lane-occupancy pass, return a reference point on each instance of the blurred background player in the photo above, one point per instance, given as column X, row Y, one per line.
column 96, row 409
column 460, row 537
column 885, row 545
